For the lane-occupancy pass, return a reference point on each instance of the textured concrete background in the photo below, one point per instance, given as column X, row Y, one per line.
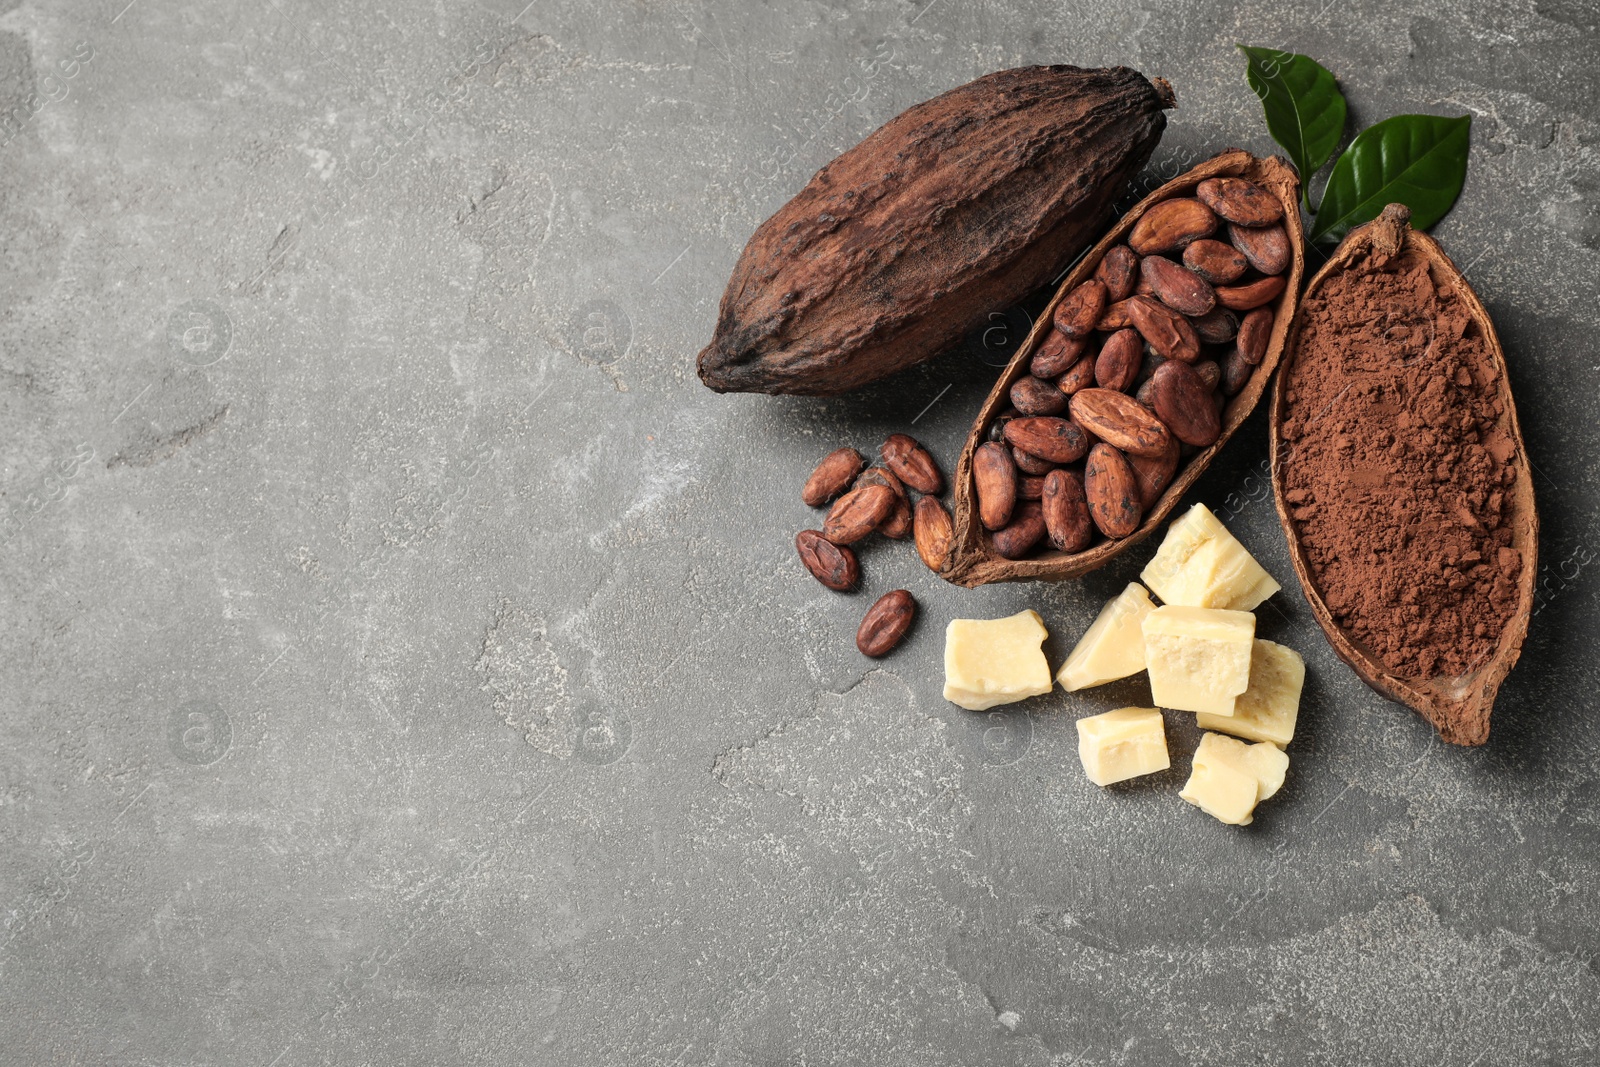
column 403, row 658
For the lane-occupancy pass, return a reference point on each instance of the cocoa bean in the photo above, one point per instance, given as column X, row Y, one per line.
column 1170, row 225
column 1240, row 201
column 1032, row 396
column 1080, row 309
column 1079, row 376
column 1025, row 530
column 1267, row 247
column 1146, row 393
column 1115, row 317
column 1112, row 491
column 1217, row 327
column 1251, row 295
column 1120, row 357
column 1168, row 332
column 901, row 246
column 1154, row 473
column 1216, row 261
column 1178, row 287
column 1236, row 371
column 1056, row 440
column 1066, row 511
column 997, row 428
column 1056, row 354
column 898, row 524
column 933, row 532
column 912, row 463
column 833, row 565
column 886, row 623
column 1120, row 420
column 1030, row 464
column 1255, row 329
column 1209, row 372
column 1118, row 272
column 1184, row 403
column 994, row 476
column 1031, row 486
column 857, row 513
column 832, row 476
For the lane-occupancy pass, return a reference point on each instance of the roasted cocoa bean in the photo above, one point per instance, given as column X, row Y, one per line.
column 1056, row 354
column 1267, row 247
column 1080, row 309
column 934, row 532
column 832, row 476
column 898, row 524
column 1120, row 420
column 912, row 463
column 1146, row 393
column 1209, row 372
column 1066, row 511
column 1255, row 329
column 994, row 476
column 857, row 513
column 1118, row 272
column 1176, row 286
column 1154, row 473
column 1031, row 486
column 1217, row 327
column 1025, row 530
column 886, row 623
column 1168, row 332
column 1079, row 376
column 1216, row 261
column 997, row 428
column 1032, row 396
column 1236, row 370
column 1030, row 464
column 833, row 565
column 1115, row 318
column 1112, row 491
column 1240, row 201
column 1118, row 363
column 1056, row 440
column 1184, row 403
column 1170, row 225
column 1251, row 295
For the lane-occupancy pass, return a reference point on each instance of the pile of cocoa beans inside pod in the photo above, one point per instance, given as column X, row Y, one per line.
column 867, row 500
column 1138, row 365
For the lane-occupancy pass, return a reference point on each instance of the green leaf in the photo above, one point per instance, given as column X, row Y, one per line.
column 1305, row 109
column 1416, row 160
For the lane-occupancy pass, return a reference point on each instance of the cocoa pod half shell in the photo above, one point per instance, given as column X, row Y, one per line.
column 974, row 558
column 960, row 205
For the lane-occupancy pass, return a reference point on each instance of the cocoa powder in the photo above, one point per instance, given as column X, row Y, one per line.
column 1400, row 468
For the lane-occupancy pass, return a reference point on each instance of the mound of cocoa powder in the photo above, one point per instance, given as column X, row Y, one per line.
column 1400, row 465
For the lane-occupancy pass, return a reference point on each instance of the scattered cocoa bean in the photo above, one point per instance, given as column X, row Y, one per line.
column 1209, row 372
column 1239, row 201
column 1184, row 403
column 832, row 476
column 912, row 463
column 994, row 476
column 1120, row 357
column 886, row 623
column 1056, row 440
column 1120, row 420
column 1170, row 225
column 857, row 513
column 898, row 524
column 1066, row 511
column 1216, row 261
column 833, row 565
column 1176, row 286
column 1112, row 491
column 934, row 532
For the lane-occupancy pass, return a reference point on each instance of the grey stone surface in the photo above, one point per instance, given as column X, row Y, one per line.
column 403, row 659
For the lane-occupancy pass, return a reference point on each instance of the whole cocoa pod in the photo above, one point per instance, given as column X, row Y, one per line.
column 886, row 623
column 960, row 205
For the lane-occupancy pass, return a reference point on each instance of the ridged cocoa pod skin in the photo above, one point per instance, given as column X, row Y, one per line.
column 960, row 205
column 833, row 565
column 932, row 531
column 886, row 623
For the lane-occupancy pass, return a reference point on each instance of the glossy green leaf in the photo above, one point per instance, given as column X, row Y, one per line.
column 1305, row 109
column 1416, row 160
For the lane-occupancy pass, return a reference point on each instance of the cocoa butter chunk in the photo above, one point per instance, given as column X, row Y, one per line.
column 1118, row 745
column 1201, row 565
column 1228, row 778
column 1113, row 645
column 995, row 661
column 963, row 204
column 1198, row 659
